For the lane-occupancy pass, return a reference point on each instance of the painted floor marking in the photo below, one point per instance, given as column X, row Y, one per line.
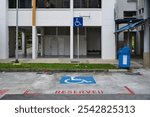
column 129, row 90
column 2, row 92
column 29, row 92
column 77, row 80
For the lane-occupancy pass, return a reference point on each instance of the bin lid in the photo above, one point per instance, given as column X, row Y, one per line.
column 124, row 50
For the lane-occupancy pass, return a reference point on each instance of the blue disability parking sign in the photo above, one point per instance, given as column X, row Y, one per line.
column 77, row 80
column 78, row 22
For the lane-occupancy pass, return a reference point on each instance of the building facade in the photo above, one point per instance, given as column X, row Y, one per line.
column 46, row 28
column 126, row 11
column 137, row 13
column 143, row 11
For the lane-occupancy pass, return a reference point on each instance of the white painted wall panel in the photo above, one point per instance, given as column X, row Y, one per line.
column 53, row 18
column 3, row 30
column 91, row 17
column 108, row 29
column 123, row 5
column 47, row 17
column 24, row 17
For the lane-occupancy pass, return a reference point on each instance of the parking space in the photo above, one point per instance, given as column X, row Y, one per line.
column 88, row 83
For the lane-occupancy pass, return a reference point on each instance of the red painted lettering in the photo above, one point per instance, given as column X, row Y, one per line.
column 2, row 92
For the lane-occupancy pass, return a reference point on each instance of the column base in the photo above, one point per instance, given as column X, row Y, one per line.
column 146, row 59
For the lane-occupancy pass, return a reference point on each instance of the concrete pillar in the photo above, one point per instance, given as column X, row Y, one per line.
column 146, row 9
column 146, row 45
column 71, row 30
column 23, row 42
column 12, row 42
column 3, row 30
column 146, row 59
column 34, row 42
column 34, row 31
column 108, row 29
column 42, row 42
column 138, row 43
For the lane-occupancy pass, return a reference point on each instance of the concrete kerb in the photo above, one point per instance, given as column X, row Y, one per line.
column 62, row 60
column 79, row 71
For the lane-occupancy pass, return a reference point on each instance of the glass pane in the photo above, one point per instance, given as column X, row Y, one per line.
column 83, row 3
column 66, row 3
column 25, row 3
column 87, row 3
column 41, row 3
column 76, row 3
column 59, row 3
column 12, row 3
column 53, row 3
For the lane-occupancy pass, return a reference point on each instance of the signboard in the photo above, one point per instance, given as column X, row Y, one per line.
column 77, row 80
column 78, row 22
column 125, row 57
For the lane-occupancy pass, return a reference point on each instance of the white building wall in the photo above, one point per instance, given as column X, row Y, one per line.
column 62, row 17
column 108, row 29
column 91, row 17
column 55, row 17
column 3, row 30
column 123, row 5
column 24, row 17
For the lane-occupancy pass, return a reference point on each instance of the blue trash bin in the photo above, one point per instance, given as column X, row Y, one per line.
column 124, row 57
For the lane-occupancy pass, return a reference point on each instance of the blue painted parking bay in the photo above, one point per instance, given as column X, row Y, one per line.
column 77, row 80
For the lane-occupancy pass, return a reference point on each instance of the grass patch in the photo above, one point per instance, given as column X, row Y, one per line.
column 46, row 66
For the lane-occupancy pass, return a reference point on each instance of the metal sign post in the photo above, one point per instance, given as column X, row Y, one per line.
column 78, row 42
column 78, row 23
column 17, row 61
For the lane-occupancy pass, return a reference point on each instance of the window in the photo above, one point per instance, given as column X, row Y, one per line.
column 129, row 14
column 40, row 4
column 87, row 3
column 53, row 3
column 21, row 3
column 12, row 3
column 142, row 10
column 25, row 3
column 94, row 3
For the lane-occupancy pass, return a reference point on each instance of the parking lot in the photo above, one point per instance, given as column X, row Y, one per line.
column 45, row 83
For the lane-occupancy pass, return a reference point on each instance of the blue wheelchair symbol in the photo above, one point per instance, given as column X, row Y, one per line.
column 77, row 80
column 78, row 21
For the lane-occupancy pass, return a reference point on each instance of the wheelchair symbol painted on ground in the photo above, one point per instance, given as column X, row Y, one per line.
column 77, row 80
column 78, row 21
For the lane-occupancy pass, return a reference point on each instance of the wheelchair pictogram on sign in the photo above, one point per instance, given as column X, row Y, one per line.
column 78, row 22
column 77, row 80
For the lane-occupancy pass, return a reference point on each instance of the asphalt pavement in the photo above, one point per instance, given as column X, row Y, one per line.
column 73, row 85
